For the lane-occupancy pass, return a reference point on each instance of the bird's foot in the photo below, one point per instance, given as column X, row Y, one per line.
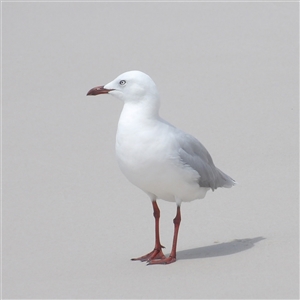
column 163, row 261
column 155, row 254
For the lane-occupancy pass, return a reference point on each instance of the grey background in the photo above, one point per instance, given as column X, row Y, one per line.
column 227, row 73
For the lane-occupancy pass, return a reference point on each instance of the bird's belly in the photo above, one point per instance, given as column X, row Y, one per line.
column 158, row 174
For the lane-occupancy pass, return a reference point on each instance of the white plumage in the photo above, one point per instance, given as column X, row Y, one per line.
column 163, row 161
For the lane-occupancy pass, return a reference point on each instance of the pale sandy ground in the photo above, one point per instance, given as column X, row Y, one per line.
column 227, row 73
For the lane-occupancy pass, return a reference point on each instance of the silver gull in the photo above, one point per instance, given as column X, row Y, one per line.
column 162, row 160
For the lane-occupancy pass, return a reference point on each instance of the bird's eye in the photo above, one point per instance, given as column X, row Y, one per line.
column 122, row 82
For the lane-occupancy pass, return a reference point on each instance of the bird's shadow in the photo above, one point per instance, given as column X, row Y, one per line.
column 222, row 249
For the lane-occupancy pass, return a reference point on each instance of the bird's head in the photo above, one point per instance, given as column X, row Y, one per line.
column 132, row 86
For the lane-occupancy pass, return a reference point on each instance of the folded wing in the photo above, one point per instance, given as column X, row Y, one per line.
column 194, row 154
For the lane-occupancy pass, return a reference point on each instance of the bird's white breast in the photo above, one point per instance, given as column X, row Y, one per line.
column 146, row 156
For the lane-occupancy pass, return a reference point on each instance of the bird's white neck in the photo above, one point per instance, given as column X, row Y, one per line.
column 147, row 109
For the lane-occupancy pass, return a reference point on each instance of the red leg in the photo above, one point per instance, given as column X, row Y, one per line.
column 157, row 252
column 172, row 257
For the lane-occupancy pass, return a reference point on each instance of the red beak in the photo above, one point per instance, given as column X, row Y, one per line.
column 98, row 90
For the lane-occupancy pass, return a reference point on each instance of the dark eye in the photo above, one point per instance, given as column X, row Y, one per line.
column 122, row 82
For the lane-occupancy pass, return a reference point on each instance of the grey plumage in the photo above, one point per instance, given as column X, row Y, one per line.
column 195, row 155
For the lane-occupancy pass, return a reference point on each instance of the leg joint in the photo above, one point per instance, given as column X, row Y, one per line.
column 156, row 214
column 156, row 211
column 177, row 219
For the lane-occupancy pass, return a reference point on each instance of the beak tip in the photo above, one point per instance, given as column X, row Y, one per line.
column 98, row 90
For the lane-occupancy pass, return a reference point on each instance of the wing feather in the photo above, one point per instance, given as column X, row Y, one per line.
column 195, row 155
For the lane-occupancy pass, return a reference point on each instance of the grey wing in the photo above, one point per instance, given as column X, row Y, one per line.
column 194, row 154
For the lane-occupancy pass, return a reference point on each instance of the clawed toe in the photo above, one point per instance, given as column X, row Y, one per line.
column 164, row 261
column 155, row 254
column 156, row 257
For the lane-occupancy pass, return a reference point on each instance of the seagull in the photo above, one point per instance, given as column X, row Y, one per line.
column 160, row 159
